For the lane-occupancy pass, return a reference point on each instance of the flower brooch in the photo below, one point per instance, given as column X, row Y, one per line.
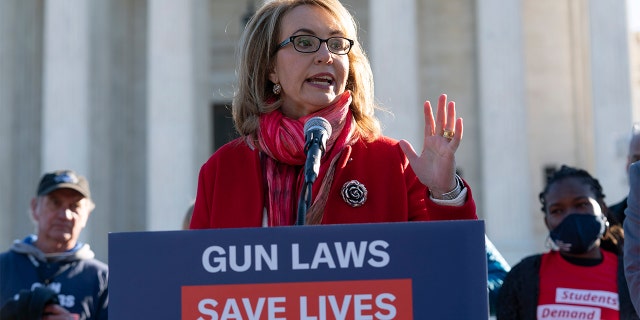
column 354, row 193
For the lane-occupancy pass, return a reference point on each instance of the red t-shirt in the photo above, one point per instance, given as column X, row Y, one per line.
column 569, row 291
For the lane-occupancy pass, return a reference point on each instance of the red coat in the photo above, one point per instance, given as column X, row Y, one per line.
column 231, row 189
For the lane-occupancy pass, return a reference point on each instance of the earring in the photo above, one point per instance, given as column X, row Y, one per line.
column 277, row 88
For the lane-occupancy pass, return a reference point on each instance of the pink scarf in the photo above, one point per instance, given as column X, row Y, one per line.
column 281, row 139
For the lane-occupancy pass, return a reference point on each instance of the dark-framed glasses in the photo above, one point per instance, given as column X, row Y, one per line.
column 309, row 44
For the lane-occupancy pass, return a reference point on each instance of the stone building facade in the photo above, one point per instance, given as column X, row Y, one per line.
column 135, row 93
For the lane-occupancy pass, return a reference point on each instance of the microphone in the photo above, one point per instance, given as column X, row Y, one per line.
column 316, row 132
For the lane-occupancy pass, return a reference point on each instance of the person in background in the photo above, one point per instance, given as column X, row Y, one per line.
column 186, row 221
column 632, row 236
column 497, row 269
column 618, row 210
column 53, row 257
column 301, row 59
column 582, row 277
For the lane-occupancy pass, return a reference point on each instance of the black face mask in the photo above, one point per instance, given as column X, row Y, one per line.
column 578, row 233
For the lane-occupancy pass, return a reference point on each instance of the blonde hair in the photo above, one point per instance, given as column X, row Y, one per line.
column 256, row 59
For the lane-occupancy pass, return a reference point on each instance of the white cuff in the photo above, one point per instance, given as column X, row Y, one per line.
column 457, row 202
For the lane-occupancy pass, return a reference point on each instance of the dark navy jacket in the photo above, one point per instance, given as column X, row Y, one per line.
column 78, row 278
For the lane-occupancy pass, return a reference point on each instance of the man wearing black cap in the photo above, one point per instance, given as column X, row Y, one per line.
column 54, row 257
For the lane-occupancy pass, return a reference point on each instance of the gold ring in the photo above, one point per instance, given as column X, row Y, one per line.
column 448, row 134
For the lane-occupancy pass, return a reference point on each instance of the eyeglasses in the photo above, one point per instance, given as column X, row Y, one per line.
column 309, row 44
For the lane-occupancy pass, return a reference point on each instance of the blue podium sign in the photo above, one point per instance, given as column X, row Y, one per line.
column 412, row 270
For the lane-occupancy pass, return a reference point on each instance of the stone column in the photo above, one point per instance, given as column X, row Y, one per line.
column 394, row 60
column 173, row 109
column 66, row 111
column 118, row 85
column 6, row 109
column 611, row 90
column 26, row 103
column 503, row 127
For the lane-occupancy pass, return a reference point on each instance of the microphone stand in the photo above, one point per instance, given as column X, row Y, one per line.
column 304, row 203
column 314, row 152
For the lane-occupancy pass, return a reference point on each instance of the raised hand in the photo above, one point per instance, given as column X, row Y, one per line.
column 435, row 166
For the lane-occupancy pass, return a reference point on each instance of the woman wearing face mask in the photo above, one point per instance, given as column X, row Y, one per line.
column 581, row 277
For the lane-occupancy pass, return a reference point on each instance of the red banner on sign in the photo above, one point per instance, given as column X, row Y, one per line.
column 330, row 300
